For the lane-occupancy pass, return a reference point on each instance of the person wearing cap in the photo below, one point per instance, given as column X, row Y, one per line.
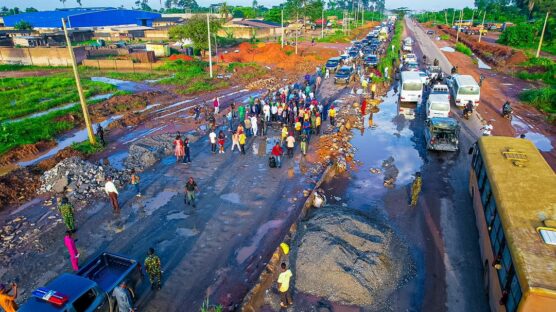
column 123, row 298
column 66, row 210
column 112, row 193
column 416, row 188
column 7, row 301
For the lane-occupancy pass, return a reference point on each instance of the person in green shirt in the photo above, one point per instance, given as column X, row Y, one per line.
column 66, row 210
column 241, row 113
column 152, row 266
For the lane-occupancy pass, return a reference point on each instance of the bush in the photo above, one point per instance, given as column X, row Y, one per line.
column 544, row 99
column 445, row 37
column 519, row 35
column 87, row 148
column 463, row 49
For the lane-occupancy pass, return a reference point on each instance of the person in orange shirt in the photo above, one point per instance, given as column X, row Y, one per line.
column 7, row 301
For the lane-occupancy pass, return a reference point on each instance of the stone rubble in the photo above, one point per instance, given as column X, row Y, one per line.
column 80, row 179
column 148, row 151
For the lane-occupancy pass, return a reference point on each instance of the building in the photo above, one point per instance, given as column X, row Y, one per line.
column 167, row 21
column 159, row 49
column 29, row 41
column 84, row 18
column 250, row 28
column 118, row 33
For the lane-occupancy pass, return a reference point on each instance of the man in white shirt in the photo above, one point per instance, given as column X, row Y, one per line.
column 254, row 125
column 290, row 144
column 266, row 111
column 487, row 129
column 212, row 137
column 112, row 193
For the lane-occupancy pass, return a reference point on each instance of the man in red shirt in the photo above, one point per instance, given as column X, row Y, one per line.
column 277, row 152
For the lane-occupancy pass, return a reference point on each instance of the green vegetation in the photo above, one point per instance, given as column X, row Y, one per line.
column 190, row 77
column 463, row 49
column 445, row 37
column 23, row 25
column 337, row 37
column 539, row 69
column 544, row 99
column 391, row 55
column 87, row 148
column 17, row 67
column 196, row 30
column 24, row 96
column 32, row 130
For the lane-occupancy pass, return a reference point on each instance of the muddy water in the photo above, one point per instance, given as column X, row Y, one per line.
column 124, row 85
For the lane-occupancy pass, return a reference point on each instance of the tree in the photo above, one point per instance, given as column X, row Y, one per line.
column 168, row 4
column 190, row 4
column 23, row 25
column 195, row 30
column 143, row 5
column 274, row 15
column 79, row 2
column 31, row 9
column 224, row 10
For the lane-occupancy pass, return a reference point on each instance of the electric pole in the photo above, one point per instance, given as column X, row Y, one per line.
column 481, row 29
column 362, row 15
column 90, row 133
column 542, row 34
column 296, row 31
column 453, row 16
column 210, row 50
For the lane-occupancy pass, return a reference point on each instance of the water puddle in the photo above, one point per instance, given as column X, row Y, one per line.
column 117, row 160
column 75, row 137
column 482, row 65
column 176, row 216
column 448, row 49
column 540, row 140
column 247, row 251
column 123, row 84
column 159, row 200
column 185, row 232
column 54, row 109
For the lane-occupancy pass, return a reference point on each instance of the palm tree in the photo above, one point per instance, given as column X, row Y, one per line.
column 224, row 10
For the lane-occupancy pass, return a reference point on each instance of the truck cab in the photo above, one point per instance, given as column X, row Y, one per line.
column 442, row 134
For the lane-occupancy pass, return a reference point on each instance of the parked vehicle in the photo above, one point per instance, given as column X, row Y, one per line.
column 411, row 66
column 353, row 52
column 463, row 89
column 344, row 74
column 90, row 289
column 410, row 57
column 433, row 71
column 438, row 105
column 371, row 60
column 411, row 87
column 442, row 134
column 407, row 48
column 333, row 64
column 424, row 77
column 430, row 32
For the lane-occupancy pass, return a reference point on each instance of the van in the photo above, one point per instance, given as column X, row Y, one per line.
column 438, row 105
column 333, row 64
column 464, row 89
column 411, row 87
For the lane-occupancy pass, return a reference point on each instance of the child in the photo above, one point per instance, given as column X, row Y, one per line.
column 135, row 182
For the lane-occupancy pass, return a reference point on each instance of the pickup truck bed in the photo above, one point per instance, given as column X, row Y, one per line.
column 108, row 270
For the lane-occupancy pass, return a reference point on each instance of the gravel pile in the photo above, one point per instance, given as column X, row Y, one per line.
column 82, row 179
column 345, row 256
column 148, row 151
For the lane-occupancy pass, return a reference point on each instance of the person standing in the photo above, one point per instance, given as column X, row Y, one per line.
column 230, row 118
column 190, row 189
column 284, row 134
column 373, row 90
column 290, row 144
column 318, row 122
column 327, row 75
column 332, row 115
column 416, row 189
column 242, row 139
column 187, row 158
column 363, row 106
column 123, row 299
column 304, row 141
column 100, row 134
column 241, row 113
column 221, row 141
column 277, row 152
column 235, row 141
column 284, row 279
column 212, row 138
column 216, row 104
column 66, row 210
column 254, row 125
column 197, row 111
column 135, row 182
column 152, row 267
column 112, row 193
column 247, row 123
column 178, row 148
column 7, row 301
column 72, row 250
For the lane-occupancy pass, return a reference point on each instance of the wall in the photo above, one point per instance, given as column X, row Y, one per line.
column 41, row 56
column 160, row 50
column 121, row 64
column 156, row 34
column 247, row 32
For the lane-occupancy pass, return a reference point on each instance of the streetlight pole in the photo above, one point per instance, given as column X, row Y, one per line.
column 282, row 28
column 210, row 50
column 542, row 34
column 482, row 28
column 90, row 133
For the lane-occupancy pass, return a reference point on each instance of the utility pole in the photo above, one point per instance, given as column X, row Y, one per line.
column 296, row 32
column 322, row 23
column 210, row 50
column 90, row 133
column 542, row 34
column 282, row 28
column 362, row 15
column 216, row 46
column 459, row 26
column 481, row 29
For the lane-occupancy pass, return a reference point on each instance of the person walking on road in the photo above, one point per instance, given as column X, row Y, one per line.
column 235, row 141
column 112, row 193
column 327, row 75
column 216, row 104
column 481, row 78
column 123, row 298
column 373, row 90
column 284, row 279
column 304, row 142
column 152, row 267
column 212, row 138
column 178, row 148
column 318, row 122
column 187, row 157
column 221, row 141
column 190, row 189
column 242, row 139
column 135, row 182
column 277, row 152
column 66, row 210
column 72, row 250
column 416, row 189
column 290, row 144
column 332, row 115
column 7, row 301
column 254, row 125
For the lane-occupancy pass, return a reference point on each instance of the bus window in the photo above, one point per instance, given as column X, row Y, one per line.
column 494, row 234
column 515, row 295
column 482, row 178
column 486, row 193
column 489, row 214
column 468, row 90
column 504, row 271
column 412, row 86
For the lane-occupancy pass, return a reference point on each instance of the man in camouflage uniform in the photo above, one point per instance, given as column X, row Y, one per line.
column 66, row 210
column 416, row 189
column 152, row 266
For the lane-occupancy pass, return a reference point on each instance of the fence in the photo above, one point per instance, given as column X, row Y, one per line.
column 121, row 64
column 55, row 56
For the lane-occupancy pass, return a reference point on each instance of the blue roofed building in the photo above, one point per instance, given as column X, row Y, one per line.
column 84, row 18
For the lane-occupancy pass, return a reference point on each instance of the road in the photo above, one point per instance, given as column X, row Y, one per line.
column 215, row 251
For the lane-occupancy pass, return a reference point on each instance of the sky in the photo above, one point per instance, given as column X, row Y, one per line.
column 52, row 4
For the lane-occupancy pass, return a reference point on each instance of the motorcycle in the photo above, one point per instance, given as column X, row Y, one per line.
column 468, row 111
column 507, row 112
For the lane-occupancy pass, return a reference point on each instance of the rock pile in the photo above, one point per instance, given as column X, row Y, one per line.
column 82, row 179
column 345, row 256
column 148, row 151
column 14, row 233
column 269, row 83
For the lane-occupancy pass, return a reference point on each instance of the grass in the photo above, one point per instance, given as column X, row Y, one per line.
column 87, row 148
column 337, row 36
column 33, row 130
column 463, row 49
column 391, row 55
column 190, row 77
column 23, row 96
column 445, row 37
column 543, row 99
column 17, row 67
column 543, row 69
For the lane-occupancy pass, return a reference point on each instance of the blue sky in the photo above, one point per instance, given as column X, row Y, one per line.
column 52, row 4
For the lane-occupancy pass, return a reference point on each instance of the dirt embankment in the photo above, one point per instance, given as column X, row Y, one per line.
column 498, row 55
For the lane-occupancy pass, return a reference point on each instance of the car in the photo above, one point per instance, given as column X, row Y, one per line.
column 358, row 44
column 411, row 66
column 344, row 74
column 434, row 72
column 353, row 53
column 333, row 63
column 367, row 50
column 424, row 77
column 410, row 58
column 430, row 32
column 365, row 41
column 371, row 60
column 344, row 57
